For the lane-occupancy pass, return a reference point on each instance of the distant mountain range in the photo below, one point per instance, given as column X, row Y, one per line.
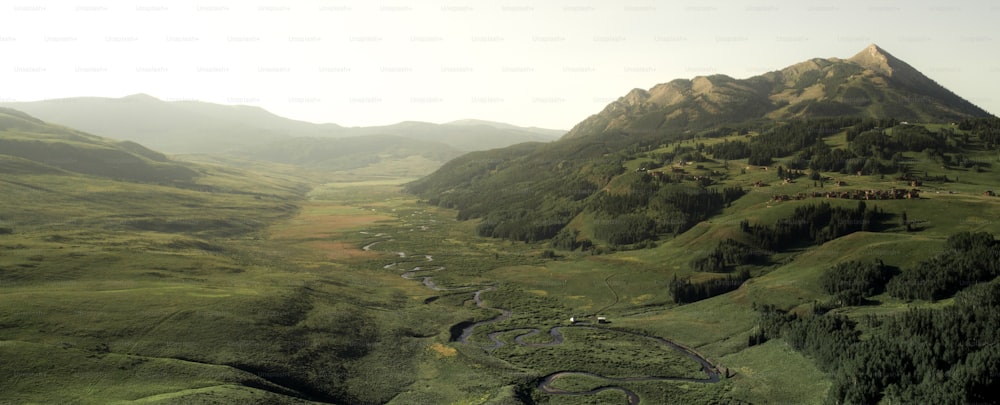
column 252, row 132
column 201, row 127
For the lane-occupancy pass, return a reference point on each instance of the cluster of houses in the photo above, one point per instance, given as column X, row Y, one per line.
column 891, row 194
column 677, row 174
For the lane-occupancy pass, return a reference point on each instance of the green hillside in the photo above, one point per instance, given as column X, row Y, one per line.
column 128, row 277
column 602, row 168
column 789, row 225
column 29, row 145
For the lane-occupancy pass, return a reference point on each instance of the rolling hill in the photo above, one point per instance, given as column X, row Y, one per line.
column 356, row 152
column 29, row 145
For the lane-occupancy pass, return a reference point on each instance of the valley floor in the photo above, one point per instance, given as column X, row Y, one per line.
column 508, row 301
column 362, row 294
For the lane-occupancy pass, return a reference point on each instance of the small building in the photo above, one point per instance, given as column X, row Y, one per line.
column 602, row 319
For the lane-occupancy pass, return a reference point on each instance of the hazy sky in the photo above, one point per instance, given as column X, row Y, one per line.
column 531, row 63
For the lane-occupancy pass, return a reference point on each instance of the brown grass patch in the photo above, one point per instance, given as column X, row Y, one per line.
column 338, row 250
column 443, row 351
column 318, row 221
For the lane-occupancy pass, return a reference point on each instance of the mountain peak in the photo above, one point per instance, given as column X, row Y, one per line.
column 872, row 83
column 878, row 59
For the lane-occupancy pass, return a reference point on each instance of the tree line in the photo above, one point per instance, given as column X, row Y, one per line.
column 646, row 207
column 684, row 291
column 946, row 355
column 943, row 356
column 968, row 258
column 727, row 254
column 809, row 224
column 814, row 224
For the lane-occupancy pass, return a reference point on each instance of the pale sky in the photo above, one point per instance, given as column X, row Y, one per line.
column 531, row 63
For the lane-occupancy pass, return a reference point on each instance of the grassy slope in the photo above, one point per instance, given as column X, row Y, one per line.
column 82, row 280
column 630, row 288
column 159, row 294
column 193, row 280
column 719, row 327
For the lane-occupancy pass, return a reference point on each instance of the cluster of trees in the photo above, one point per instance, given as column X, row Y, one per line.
column 969, row 258
column 824, row 158
column 826, row 338
column 947, row 355
column 641, row 208
column 815, row 223
column 624, row 229
column 729, row 150
column 728, row 254
column 647, row 208
column 987, row 129
column 771, row 323
column 852, row 282
column 523, row 224
column 940, row 356
column 868, row 124
column 875, row 146
column 785, row 139
column 876, row 143
column 724, row 131
column 569, row 239
column 800, row 139
column 684, row 291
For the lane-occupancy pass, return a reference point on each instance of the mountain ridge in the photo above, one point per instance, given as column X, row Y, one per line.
column 810, row 89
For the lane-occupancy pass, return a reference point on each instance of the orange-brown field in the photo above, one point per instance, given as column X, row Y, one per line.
column 323, row 220
column 318, row 226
